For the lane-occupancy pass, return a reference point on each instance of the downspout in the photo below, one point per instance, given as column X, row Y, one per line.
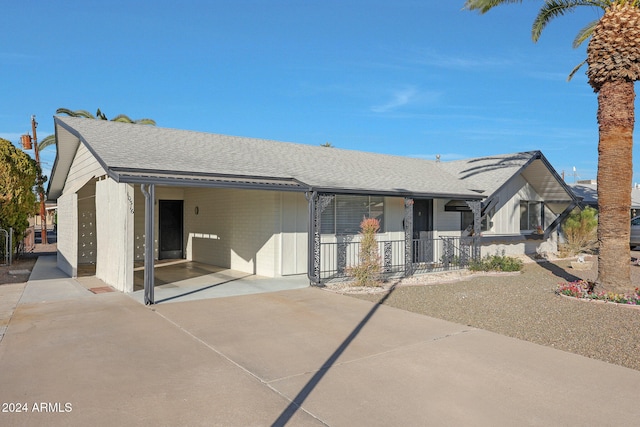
column 149, row 198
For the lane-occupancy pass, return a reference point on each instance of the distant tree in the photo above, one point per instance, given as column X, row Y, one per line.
column 327, row 144
column 122, row 118
column 18, row 174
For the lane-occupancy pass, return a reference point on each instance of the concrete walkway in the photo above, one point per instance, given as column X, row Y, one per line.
column 301, row 357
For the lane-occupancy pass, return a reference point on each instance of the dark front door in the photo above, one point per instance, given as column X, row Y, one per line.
column 423, row 230
column 170, row 239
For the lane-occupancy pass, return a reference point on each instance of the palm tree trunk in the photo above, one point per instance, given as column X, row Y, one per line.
column 615, row 170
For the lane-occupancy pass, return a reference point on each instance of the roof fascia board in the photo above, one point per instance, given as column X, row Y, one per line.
column 185, row 182
column 399, row 193
column 55, row 162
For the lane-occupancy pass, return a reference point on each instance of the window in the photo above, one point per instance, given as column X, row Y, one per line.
column 466, row 220
column 345, row 213
column 531, row 215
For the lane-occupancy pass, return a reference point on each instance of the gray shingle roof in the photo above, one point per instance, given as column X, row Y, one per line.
column 127, row 147
column 491, row 172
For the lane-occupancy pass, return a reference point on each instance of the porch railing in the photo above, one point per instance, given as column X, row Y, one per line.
column 429, row 255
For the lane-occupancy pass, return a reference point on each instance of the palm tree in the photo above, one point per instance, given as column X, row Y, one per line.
column 51, row 139
column 100, row 115
column 613, row 59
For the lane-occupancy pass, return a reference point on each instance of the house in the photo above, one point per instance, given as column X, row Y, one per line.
column 587, row 192
column 128, row 193
column 525, row 202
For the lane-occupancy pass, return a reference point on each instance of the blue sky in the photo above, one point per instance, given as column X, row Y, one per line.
column 411, row 78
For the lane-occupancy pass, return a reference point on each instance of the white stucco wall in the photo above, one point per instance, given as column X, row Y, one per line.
column 294, row 220
column 237, row 229
column 67, row 238
column 506, row 223
column 114, row 219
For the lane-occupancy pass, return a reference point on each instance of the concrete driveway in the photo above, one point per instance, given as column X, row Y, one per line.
column 295, row 357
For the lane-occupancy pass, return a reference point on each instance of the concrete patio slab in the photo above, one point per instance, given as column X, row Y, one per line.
column 349, row 362
column 106, row 360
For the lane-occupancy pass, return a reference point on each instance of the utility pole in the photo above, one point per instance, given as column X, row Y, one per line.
column 26, row 142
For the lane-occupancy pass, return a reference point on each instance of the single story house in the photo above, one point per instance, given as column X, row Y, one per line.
column 128, row 193
column 587, row 193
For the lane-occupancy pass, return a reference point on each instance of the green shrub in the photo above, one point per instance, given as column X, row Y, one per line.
column 496, row 263
column 368, row 270
column 580, row 229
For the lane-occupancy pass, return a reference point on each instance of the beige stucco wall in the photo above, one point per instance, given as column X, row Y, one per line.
column 114, row 219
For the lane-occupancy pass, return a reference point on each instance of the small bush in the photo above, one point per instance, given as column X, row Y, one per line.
column 368, row 270
column 496, row 263
column 580, row 229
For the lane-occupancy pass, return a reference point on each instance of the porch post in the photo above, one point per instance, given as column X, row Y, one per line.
column 312, row 274
column 408, row 236
column 149, row 191
column 476, row 209
column 317, row 204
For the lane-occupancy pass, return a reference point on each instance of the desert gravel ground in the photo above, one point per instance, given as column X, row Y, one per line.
column 525, row 306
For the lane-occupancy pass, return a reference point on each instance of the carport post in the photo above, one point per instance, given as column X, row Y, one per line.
column 149, row 191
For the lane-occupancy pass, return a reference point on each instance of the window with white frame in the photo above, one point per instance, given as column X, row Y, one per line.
column 345, row 213
column 531, row 215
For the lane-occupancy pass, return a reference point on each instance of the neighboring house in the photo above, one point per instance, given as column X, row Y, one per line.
column 129, row 193
column 587, row 192
column 50, row 210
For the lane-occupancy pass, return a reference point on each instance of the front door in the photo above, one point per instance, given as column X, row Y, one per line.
column 423, row 230
column 170, row 239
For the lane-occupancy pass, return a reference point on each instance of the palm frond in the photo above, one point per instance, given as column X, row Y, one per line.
column 584, row 34
column 122, row 118
column 552, row 9
column 100, row 115
column 77, row 113
column 575, row 70
column 50, row 140
column 483, row 6
column 145, row 122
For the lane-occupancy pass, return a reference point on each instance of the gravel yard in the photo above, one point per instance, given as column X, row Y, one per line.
column 524, row 306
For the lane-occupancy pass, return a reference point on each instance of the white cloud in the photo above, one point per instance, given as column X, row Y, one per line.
column 399, row 99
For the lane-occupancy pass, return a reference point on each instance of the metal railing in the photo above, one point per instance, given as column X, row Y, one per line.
column 428, row 255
